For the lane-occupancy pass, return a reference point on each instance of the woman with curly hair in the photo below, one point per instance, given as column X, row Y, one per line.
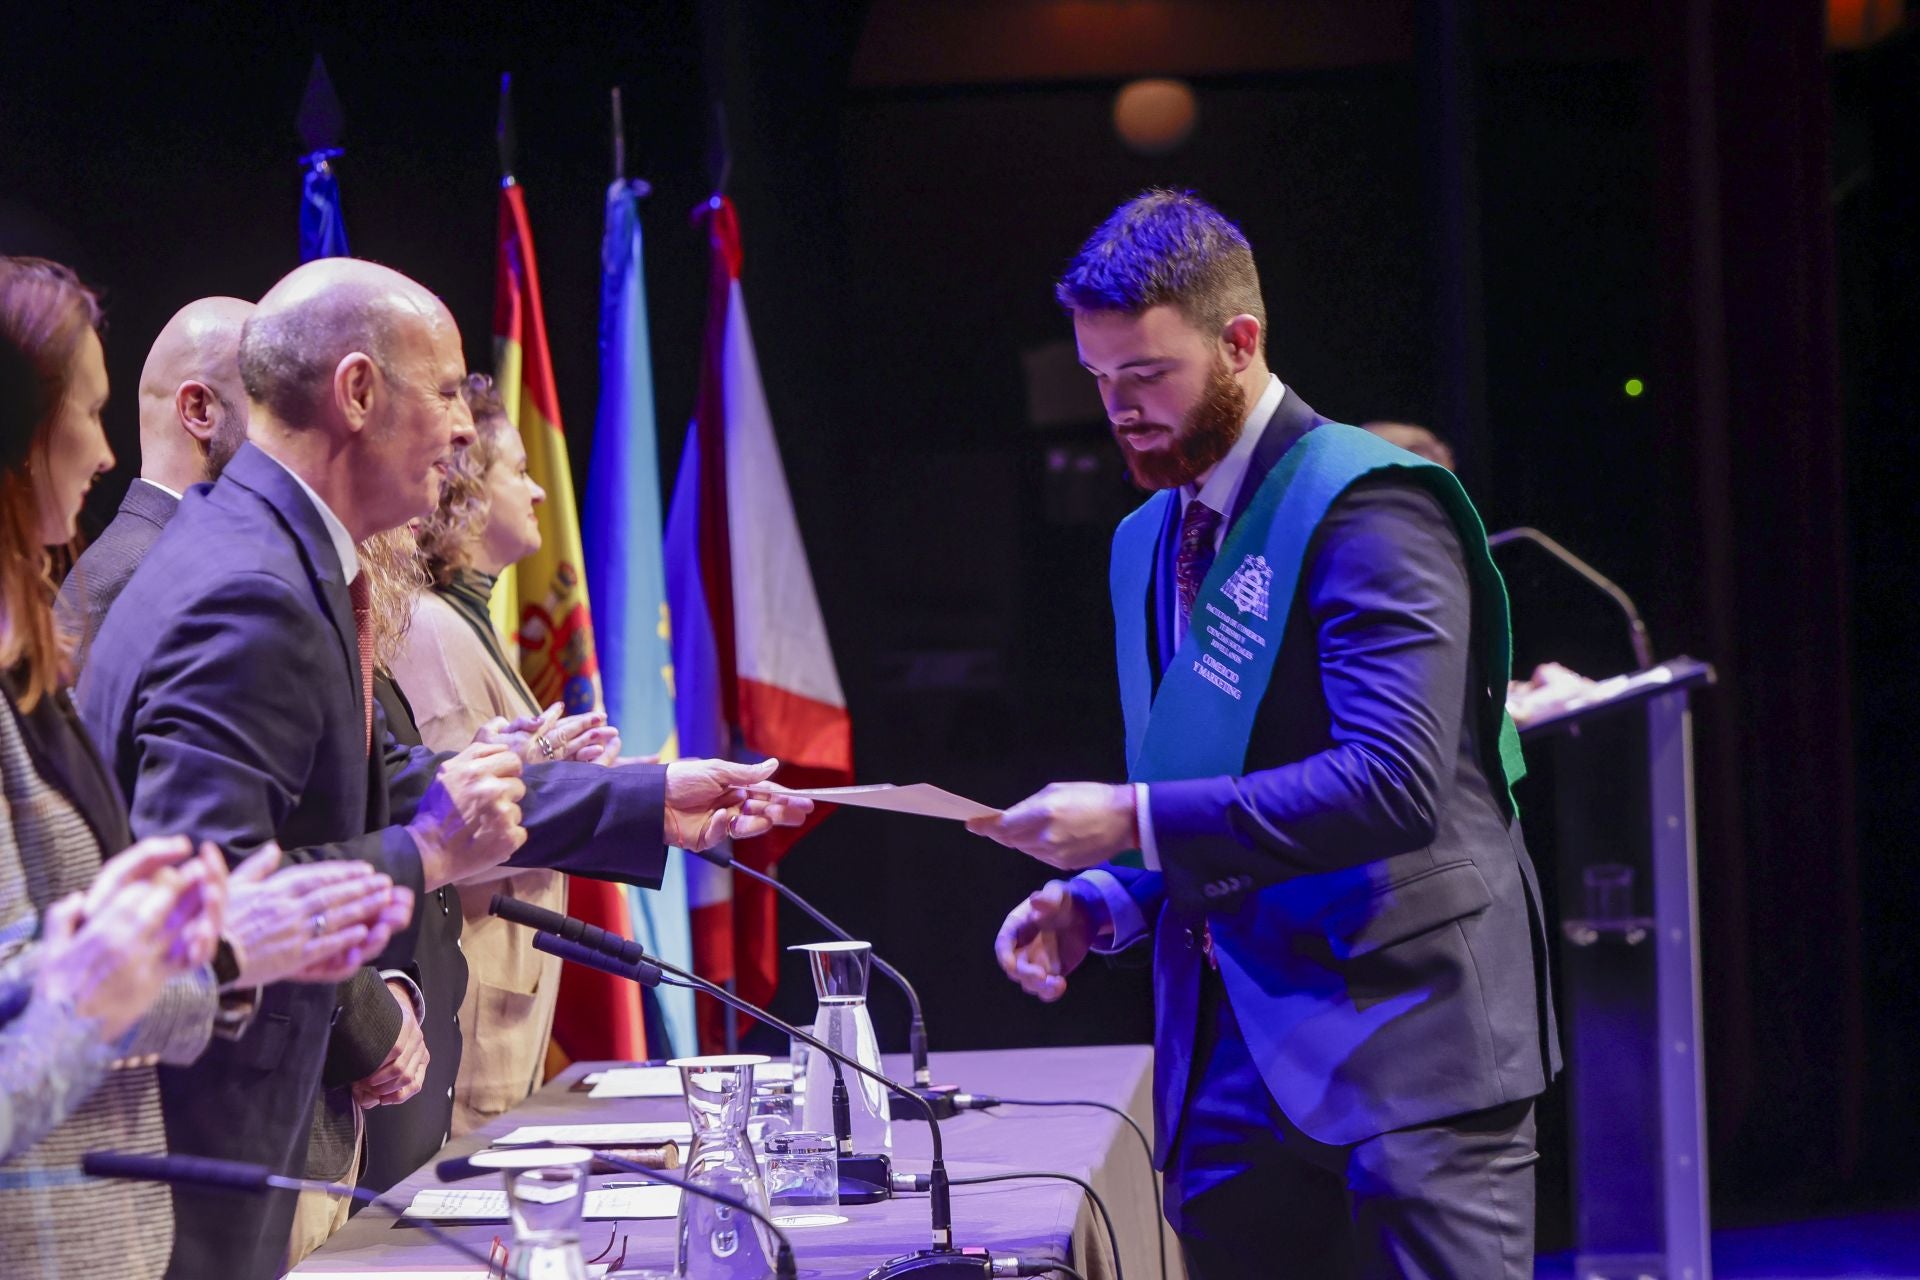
column 455, row 672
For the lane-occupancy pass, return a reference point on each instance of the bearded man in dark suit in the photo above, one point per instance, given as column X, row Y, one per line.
column 1317, row 831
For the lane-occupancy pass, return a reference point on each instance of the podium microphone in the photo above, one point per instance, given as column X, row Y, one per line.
column 940, row 1262
column 1636, row 626
column 864, row 1179
column 939, row 1097
column 460, row 1168
column 237, row 1175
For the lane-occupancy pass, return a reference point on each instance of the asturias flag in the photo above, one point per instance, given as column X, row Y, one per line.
column 626, row 574
column 544, row 603
column 754, row 671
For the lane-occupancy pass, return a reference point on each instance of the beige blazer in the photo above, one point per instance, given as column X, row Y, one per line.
column 455, row 686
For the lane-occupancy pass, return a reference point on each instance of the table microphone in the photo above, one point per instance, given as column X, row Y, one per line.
column 939, row 1097
column 460, row 1168
column 940, row 1262
column 237, row 1175
column 864, row 1179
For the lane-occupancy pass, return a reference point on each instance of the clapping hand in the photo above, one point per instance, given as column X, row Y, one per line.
column 552, row 735
column 311, row 922
column 108, row 952
column 469, row 820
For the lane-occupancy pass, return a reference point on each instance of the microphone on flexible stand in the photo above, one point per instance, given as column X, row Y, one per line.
column 864, row 1179
column 937, row 1097
column 237, row 1175
column 940, row 1262
column 1636, row 626
column 460, row 1168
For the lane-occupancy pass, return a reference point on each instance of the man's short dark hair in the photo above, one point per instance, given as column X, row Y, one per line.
column 1166, row 248
column 287, row 357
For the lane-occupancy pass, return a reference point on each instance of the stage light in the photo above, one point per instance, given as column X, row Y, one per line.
column 1634, row 388
column 1153, row 117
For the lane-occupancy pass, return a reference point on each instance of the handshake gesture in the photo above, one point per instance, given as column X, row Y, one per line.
column 469, row 821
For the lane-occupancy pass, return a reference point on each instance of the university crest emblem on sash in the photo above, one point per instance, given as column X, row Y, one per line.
column 1248, row 586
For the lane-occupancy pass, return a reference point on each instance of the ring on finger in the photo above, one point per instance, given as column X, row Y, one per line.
column 319, row 924
column 545, row 744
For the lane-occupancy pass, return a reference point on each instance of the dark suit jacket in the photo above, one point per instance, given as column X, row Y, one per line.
column 1373, row 908
column 224, row 691
column 401, row 1139
column 364, row 1027
column 101, row 572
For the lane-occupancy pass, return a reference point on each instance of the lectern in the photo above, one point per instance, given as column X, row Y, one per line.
column 1629, row 954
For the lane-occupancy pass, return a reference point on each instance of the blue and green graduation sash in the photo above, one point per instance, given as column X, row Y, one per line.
column 1200, row 721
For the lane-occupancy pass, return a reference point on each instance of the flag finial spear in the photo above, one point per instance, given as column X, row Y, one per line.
column 320, row 120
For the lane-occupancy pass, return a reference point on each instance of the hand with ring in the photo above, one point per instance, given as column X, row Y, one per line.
column 311, row 922
column 554, row 735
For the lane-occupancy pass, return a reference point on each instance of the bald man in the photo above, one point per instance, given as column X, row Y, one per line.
column 193, row 418
column 227, row 692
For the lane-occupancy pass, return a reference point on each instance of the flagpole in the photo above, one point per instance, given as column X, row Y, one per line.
column 504, row 133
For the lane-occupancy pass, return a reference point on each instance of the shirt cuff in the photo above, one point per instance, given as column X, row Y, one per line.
column 413, row 992
column 1143, row 813
column 1110, row 904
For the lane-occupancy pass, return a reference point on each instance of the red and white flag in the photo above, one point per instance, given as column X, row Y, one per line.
column 754, row 673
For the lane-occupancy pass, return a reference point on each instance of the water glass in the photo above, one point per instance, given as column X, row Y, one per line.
column 802, row 1169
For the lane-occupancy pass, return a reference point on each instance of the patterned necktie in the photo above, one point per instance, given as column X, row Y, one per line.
column 1195, row 557
column 360, row 591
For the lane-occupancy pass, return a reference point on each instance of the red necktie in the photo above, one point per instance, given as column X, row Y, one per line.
column 1195, row 556
column 360, row 591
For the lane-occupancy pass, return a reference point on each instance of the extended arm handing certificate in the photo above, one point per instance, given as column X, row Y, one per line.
column 924, row 799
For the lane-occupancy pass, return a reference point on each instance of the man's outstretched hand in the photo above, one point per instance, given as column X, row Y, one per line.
column 708, row 801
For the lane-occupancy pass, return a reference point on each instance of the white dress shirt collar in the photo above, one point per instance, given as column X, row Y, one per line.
column 336, row 532
column 1222, row 487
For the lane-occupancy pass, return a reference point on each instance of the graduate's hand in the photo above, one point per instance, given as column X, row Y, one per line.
column 1043, row 940
column 1069, row 825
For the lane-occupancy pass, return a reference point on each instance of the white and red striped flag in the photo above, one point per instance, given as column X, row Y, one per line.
column 754, row 673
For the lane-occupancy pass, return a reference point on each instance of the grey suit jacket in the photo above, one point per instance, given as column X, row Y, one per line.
column 100, row 574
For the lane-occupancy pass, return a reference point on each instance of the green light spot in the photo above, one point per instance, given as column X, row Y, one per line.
column 1635, row 388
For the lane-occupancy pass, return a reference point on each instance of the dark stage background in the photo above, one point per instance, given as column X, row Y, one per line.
column 1699, row 195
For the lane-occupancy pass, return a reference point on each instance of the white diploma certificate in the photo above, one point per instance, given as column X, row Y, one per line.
column 920, row 798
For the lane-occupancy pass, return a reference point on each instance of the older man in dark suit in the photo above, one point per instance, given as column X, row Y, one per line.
column 1351, row 1011
column 193, row 419
column 229, row 688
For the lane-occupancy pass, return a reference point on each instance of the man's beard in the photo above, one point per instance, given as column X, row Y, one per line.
column 1211, row 429
column 228, row 435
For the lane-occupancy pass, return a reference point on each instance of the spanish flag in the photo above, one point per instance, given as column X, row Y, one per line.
column 541, row 606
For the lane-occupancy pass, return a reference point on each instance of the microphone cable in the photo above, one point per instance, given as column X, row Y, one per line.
column 982, row 1102
column 919, row 1181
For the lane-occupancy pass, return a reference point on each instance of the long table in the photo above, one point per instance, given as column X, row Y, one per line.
column 1038, row 1217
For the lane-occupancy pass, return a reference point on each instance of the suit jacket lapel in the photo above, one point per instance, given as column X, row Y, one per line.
column 273, row 484
column 1292, row 418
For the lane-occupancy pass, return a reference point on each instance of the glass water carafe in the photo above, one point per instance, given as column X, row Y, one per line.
column 840, row 981
column 546, row 1192
column 718, row 1242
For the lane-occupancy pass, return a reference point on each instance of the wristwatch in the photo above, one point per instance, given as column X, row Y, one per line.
column 234, row 1014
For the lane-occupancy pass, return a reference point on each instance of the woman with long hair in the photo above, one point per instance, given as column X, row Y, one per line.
column 107, row 968
column 454, row 670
